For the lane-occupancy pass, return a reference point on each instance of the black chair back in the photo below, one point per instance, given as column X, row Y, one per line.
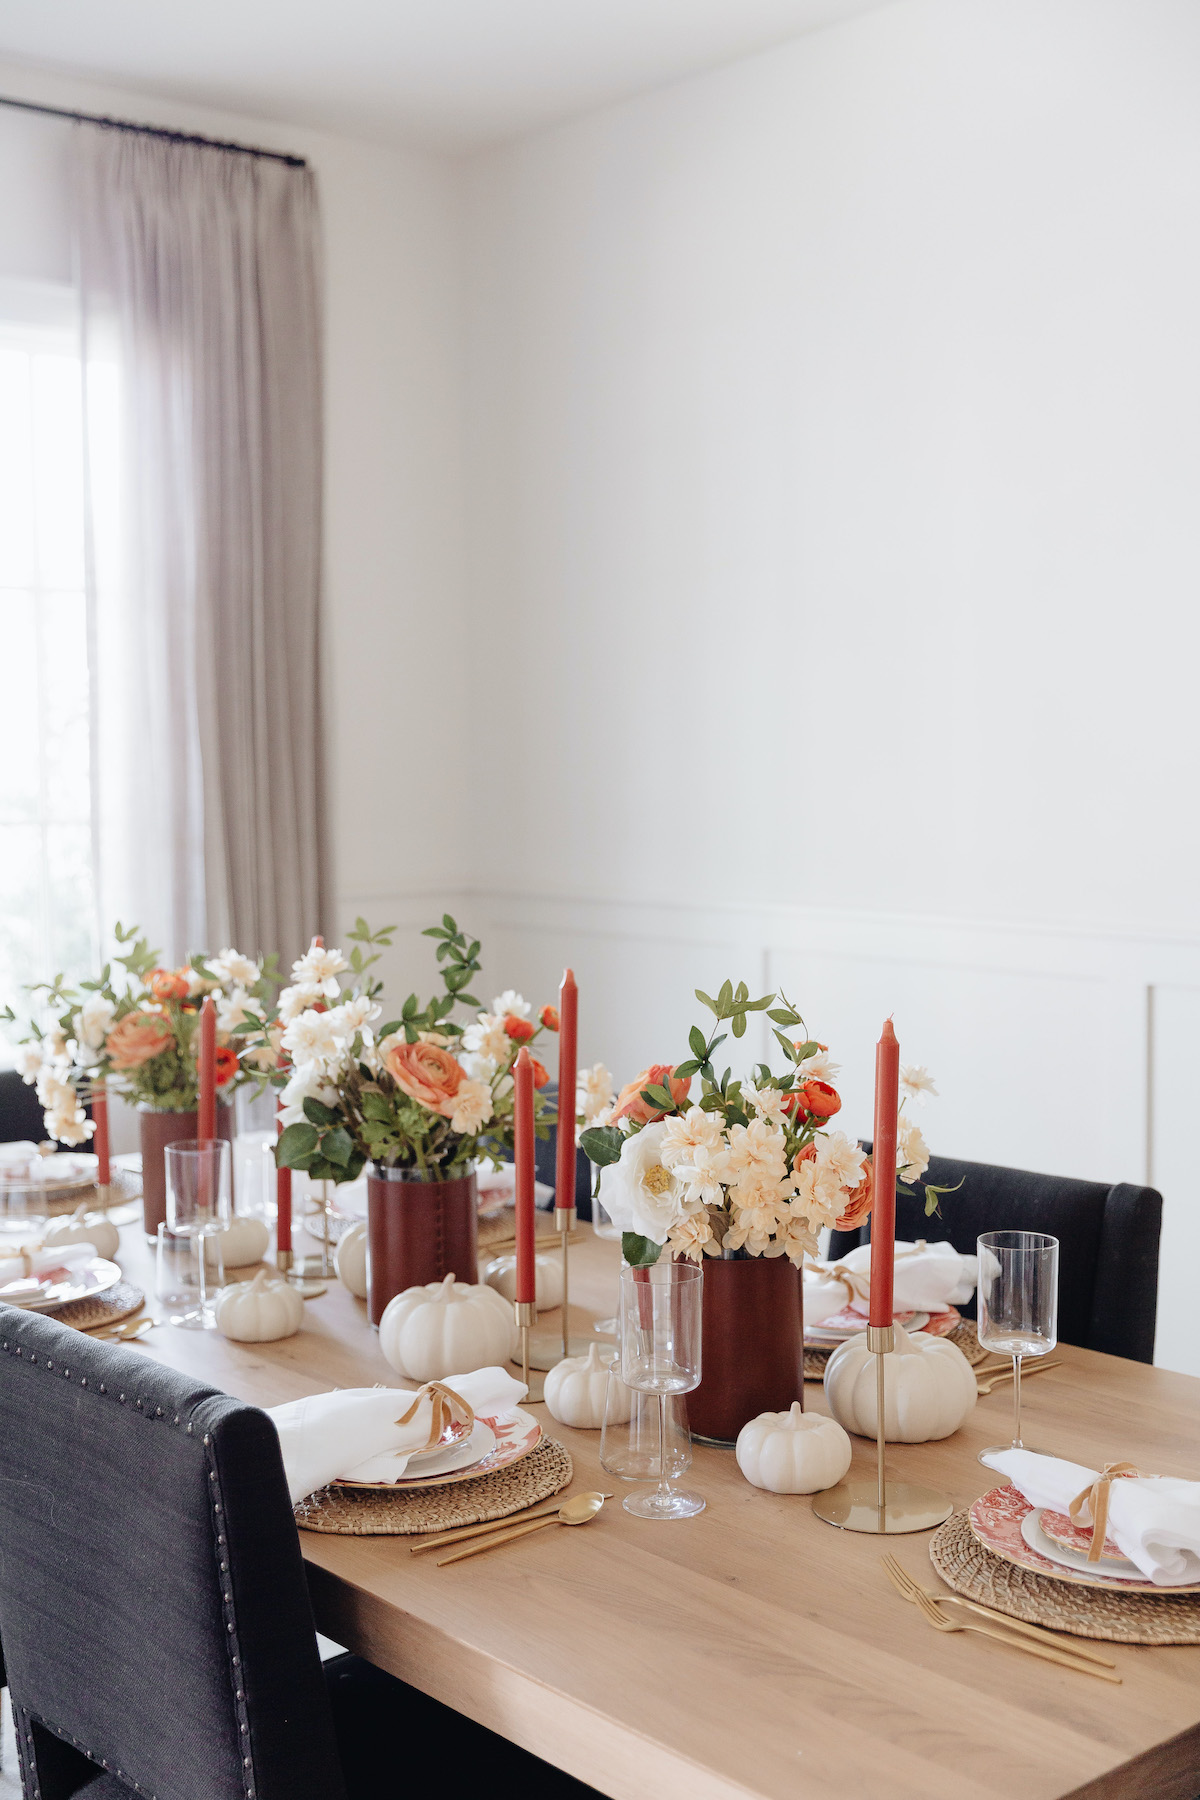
column 1108, row 1238
column 545, row 1157
column 153, row 1606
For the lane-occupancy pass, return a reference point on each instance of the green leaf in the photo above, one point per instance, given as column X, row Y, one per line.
column 602, row 1144
column 705, row 1000
column 639, row 1252
column 338, row 1147
column 739, row 1025
column 682, row 1071
column 789, row 1049
column 658, row 1096
column 387, row 1030
column 448, row 922
column 725, row 997
column 807, row 1049
column 375, row 1106
column 297, row 1144
column 433, row 931
column 697, row 1043
column 784, row 1016
column 319, row 1114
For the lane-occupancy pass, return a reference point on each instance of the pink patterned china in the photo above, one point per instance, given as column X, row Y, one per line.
column 59, row 1287
column 998, row 1520
column 1059, row 1529
column 514, row 1434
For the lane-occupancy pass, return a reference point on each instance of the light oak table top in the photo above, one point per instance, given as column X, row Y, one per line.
column 753, row 1650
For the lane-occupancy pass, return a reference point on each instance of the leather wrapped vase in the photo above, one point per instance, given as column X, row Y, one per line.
column 417, row 1231
column 752, row 1344
column 157, row 1130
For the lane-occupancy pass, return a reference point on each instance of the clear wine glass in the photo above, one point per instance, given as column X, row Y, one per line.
column 660, row 1354
column 198, row 1206
column 24, row 1209
column 604, row 1227
column 1018, row 1305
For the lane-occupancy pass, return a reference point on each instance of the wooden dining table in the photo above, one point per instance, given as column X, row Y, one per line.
column 751, row 1650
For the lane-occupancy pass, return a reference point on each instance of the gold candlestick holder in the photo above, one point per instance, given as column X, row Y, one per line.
column 526, row 1313
column 293, row 1273
column 874, row 1506
column 546, row 1350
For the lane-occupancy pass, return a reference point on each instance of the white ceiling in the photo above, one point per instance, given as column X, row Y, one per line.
column 450, row 74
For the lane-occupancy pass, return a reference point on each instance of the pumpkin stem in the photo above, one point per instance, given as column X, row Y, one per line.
column 797, row 1412
column 80, row 1213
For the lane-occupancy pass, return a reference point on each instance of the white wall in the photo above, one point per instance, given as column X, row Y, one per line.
column 833, row 440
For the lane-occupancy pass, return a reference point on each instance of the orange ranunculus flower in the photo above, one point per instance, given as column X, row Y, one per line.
column 630, row 1104
column 226, row 1064
column 426, row 1073
column 168, row 984
column 519, row 1030
column 549, row 1017
column 137, row 1037
column 858, row 1207
column 815, row 1100
column 541, row 1073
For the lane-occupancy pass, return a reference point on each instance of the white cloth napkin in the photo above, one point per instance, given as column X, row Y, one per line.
column 927, row 1278
column 353, row 1431
column 64, row 1256
column 1153, row 1520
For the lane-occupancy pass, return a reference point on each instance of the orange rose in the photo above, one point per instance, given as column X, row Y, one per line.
column 630, row 1104
column 541, row 1073
column 816, row 1099
column 426, row 1073
column 168, row 984
column 226, row 1064
column 858, row 1207
column 137, row 1037
column 549, row 1017
column 519, row 1030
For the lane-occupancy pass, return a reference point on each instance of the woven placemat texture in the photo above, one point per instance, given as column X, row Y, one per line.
column 498, row 1233
column 103, row 1309
column 970, row 1569
column 375, row 1512
column 963, row 1335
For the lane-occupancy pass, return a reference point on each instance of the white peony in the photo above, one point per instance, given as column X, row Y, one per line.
column 232, row 969
column 486, row 1036
column 511, row 1002
column 912, row 1152
column 320, row 968
column 471, row 1107
column 916, row 1082
column 29, row 1061
column 638, row 1193
column 94, row 1020
column 307, row 1083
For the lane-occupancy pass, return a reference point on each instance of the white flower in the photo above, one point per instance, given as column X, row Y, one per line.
column 237, row 1009
column 476, row 1067
column 53, row 1089
column 93, row 1021
column 295, row 1000
column 29, row 1061
column 486, row 1036
column 355, row 1014
column 794, row 1237
column 820, row 1066
column 313, row 1037
column 471, row 1107
column 693, row 1237
column 841, row 1159
column 264, row 1054
column 767, row 1102
column 196, row 983
column 695, row 1148
column 757, row 1148
column 511, row 1002
column 912, row 1152
column 232, row 969
column 68, row 1125
column 916, row 1082
column 756, row 1207
column 306, row 1084
column 320, row 968
column 819, row 1195
column 637, row 1193
column 594, row 1095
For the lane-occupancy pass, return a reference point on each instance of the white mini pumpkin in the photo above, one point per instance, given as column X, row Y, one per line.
column 258, row 1311
column 930, row 1387
column 85, row 1228
column 350, row 1258
column 793, row 1452
column 501, row 1274
column 446, row 1328
column 576, row 1388
column 243, row 1241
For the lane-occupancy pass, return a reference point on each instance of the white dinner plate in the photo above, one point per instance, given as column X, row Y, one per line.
column 61, row 1287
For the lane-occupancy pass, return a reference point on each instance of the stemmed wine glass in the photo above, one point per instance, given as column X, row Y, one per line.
column 198, row 1206
column 660, row 1354
column 1018, row 1305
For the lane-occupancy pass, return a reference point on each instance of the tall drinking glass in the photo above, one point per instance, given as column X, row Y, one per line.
column 603, row 1226
column 198, row 1206
column 1018, row 1305
column 660, row 1354
column 24, row 1210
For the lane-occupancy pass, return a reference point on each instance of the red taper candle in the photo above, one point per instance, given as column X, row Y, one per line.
column 100, row 1135
column 883, row 1175
column 568, row 1023
column 523, row 1155
column 283, row 1195
column 206, row 1112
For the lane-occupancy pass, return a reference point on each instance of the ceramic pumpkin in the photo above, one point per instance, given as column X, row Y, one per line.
column 258, row 1311
column 930, row 1387
column 501, row 1274
column 575, row 1392
column 243, row 1241
column 793, row 1452
column 446, row 1328
column 350, row 1258
column 85, row 1228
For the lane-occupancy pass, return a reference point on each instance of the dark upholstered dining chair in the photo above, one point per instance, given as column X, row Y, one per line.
column 1108, row 1238
column 153, row 1609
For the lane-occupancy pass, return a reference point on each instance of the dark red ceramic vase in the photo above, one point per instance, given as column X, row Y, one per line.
column 417, row 1232
column 158, row 1129
column 752, row 1345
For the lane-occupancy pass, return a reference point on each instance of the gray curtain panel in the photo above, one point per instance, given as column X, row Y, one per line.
column 202, row 333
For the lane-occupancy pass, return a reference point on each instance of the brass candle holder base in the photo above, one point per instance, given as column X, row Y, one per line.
column 873, row 1506
column 546, row 1351
column 526, row 1313
column 295, row 1272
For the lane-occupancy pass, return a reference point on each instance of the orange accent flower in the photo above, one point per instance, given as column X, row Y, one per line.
column 226, row 1064
column 168, row 984
column 630, row 1104
column 426, row 1073
column 137, row 1037
column 815, row 1100
column 519, row 1030
column 549, row 1017
column 858, row 1207
column 541, row 1073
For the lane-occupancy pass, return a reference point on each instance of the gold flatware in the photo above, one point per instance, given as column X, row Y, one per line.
column 935, row 1617
column 992, row 1379
column 906, row 1585
column 485, row 1529
column 580, row 1511
column 128, row 1331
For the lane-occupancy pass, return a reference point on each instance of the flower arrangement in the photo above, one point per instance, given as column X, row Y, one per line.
column 746, row 1168
column 425, row 1091
column 135, row 1028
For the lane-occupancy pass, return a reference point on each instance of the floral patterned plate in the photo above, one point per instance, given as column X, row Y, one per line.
column 515, row 1434
column 848, row 1323
column 997, row 1520
column 1057, row 1527
column 59, row 1287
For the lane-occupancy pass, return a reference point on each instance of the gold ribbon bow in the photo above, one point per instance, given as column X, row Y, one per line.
column 1095, row 1498
column 857, row 1282
column 26, row 1252
column 449, row 1409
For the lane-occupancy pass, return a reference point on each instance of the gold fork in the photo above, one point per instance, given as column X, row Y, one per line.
column 907, row 1585
column 992, row 1377
column 940, row 1622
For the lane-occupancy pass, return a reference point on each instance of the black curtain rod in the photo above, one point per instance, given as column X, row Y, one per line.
column 156, row 131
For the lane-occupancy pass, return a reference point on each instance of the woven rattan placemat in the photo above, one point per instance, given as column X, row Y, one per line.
column 370, row 1512
column 497, row 1234
column 970, row 1569
column 963, row 1335
column 104, row 1309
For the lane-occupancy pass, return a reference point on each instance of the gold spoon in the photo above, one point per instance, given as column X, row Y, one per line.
column 579, row 1511
column 485, row 1529
column 129, row 1331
